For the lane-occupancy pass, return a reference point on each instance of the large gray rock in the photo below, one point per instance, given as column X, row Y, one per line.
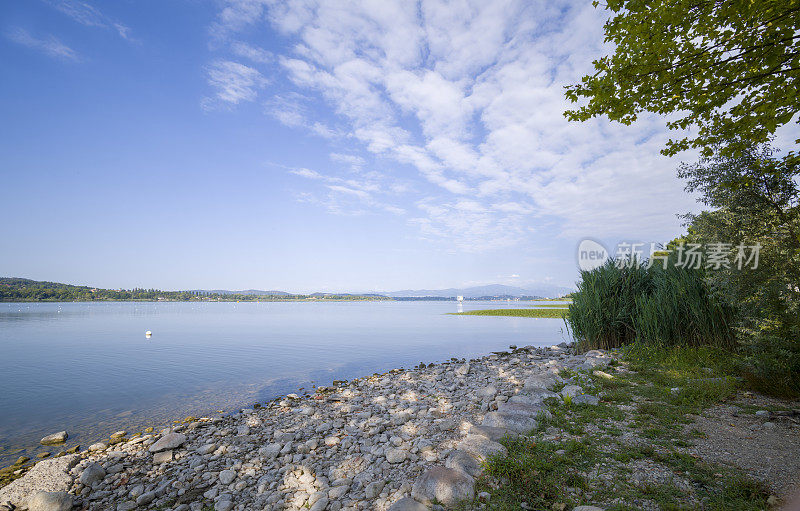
column 595, row 362
column 571, row 391
column 50, row 501
column 585, row 399
column 540, row 381
column 93, row 473
column 374, row 489
column 395, row 455
column 480, row 447
column 524, row 410
column 50, row 475
column 270, row 451
column 587, row 508
column 99, row 446
column 407, row 504
column 227, row 476
column 518, row 423
column 487, row 392
column 162, row 457
column 145, row 498
column 532, row 397
column 168, row 442
column 445, row 485
column 493, row 434
column 55, row 438
column 465, row 462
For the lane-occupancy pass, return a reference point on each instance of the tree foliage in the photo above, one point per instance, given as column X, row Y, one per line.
column 757, row 200
column 730, row 69
column 13, row 289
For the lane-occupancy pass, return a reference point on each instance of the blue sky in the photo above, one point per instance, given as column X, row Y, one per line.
column 359, row 146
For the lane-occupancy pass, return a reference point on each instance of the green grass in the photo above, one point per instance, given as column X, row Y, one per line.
column 553, row 305
column 589, row 460
column 557, row 313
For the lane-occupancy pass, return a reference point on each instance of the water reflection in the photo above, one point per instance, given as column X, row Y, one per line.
column 86, row 367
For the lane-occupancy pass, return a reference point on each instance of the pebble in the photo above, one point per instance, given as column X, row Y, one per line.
column 99, row 446
column 93, row 473
column 408, row 504
column 392, row 441
column 50, row 501
column 55, row 438
column 444, row 485
column 168, row 442
column 227, row 476
column 395, row 455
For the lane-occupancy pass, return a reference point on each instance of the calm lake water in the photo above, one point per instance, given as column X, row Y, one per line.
column 88, row 368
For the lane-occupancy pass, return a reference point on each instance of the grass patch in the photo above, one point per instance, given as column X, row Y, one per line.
column 584, row 454
column 537, row 473
column 552, row 305
column 556, row 313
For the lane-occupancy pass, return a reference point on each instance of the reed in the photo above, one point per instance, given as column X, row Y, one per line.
column 615, row 306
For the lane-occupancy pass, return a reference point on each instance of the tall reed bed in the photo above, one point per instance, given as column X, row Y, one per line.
column 616, row 305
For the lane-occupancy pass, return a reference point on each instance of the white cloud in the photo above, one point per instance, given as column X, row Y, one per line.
column 470, row 95
column 90, row 16
column 254, row 53
column 291, row 110
column 48, row 45
column 356, row 163
column 236, row 15
column 311, row 174
column 81, row 12
column 234, row 83
column 350, row 196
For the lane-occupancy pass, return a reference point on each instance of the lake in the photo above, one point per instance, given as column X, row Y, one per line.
column 88, row 367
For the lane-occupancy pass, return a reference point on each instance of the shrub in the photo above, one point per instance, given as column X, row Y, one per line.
column 616, row 305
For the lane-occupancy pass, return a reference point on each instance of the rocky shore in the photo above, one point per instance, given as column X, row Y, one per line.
column 405, row 440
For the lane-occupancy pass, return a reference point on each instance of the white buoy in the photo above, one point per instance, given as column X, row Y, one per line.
column 148, row 333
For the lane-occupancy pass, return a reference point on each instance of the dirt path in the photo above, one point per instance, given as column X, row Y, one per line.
column 759, row 435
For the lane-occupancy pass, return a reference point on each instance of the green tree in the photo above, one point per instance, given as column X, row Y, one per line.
column 756, row 200
column 729, row 69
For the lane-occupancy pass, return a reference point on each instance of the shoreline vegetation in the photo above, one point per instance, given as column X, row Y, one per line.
column 19, row 290
column 549, row 428
column 552, row 312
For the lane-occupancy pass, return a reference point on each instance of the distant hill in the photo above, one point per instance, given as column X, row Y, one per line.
column 13, row 289
column 493, row 290
column 19, row 289
column 256, row 292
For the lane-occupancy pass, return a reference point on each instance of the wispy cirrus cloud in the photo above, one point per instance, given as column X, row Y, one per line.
column 290, row 110
column 350, row 196
column 48, row 45
column 90, row 16
column 250, row 52
column 356, row 163
column 233, row 82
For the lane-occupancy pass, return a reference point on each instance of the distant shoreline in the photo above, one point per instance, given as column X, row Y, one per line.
column 309, row 300
column 16, row 289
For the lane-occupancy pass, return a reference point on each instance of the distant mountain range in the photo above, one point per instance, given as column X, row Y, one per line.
column 498, row 290
column 256, row 292
column 21, row 289
column 493, row 290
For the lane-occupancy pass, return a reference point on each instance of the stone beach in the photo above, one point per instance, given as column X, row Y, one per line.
column 404, row 440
